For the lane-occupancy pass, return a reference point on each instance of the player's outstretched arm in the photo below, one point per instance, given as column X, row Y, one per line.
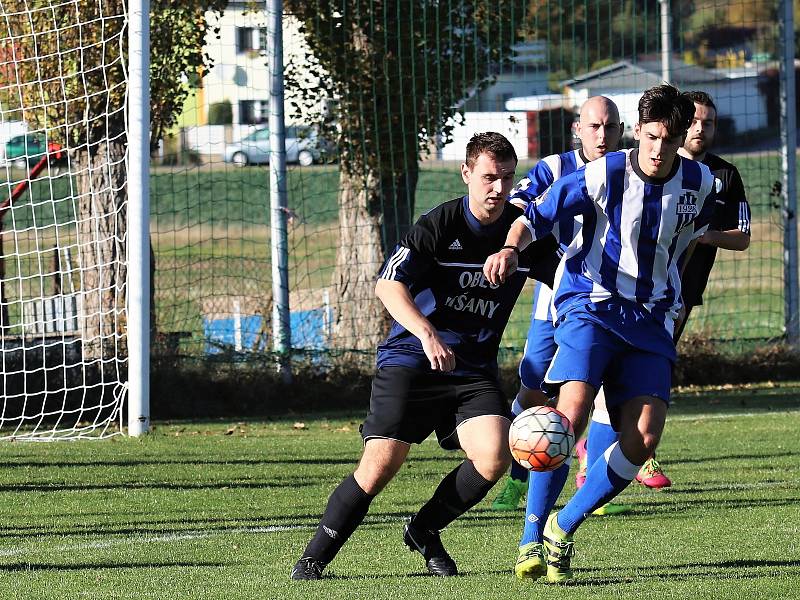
column 503, row 264
column 398, row 301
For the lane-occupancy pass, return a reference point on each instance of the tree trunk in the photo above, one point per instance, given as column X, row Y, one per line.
column 102, row 235
column 360, row 315
column 398, row 194
column 374, row 212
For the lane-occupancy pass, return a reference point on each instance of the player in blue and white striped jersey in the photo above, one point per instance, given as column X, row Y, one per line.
column 729, row 229
column 599, row 130
column 616, row 296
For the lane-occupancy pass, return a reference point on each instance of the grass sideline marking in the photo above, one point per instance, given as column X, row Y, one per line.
column 170, row 537
column 198, row 534
column 190, row 535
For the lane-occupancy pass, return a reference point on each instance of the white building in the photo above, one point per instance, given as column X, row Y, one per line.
column 240, row 76
column 739, row 102
column 525, row 75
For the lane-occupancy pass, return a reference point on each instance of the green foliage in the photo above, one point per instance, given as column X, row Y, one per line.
column 177, row 34
column 220, row 113
column 398, row 70
column 70, row 64
column 69, row 72
column 581, row 34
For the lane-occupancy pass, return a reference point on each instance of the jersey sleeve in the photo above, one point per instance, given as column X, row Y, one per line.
column 544, row 256
column 736, row 210
column 565, row 199
column 414, row 255
column 538, row 179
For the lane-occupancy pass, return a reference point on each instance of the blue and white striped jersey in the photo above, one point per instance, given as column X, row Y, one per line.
column 636, row 230
column 538, row 179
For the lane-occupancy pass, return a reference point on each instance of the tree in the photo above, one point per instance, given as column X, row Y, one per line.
column 397, row 71
column 583, row 36
column 69, row 73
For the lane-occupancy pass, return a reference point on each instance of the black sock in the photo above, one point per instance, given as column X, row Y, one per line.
column 462, row 489
column 347, row 507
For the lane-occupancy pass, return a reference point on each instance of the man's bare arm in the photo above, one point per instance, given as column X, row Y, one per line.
column 398, row 301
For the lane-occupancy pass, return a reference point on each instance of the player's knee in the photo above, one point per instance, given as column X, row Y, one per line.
column 640, row 446
column 492, row 468
column 528, row 397
column 373, row 477
column 650, row 442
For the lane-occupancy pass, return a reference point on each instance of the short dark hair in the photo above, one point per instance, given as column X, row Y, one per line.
column 665, row 104
column 489, row 142
column 702, row 99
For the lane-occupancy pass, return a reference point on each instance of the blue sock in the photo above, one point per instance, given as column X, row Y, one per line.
column 609, row 475
column 518, row 472
column 601, row 436
column 544, row 488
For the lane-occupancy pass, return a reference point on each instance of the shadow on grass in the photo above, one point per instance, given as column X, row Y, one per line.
column 350, row 459
column 724, row 457
column 127, row 486
column 16, row 567
column 729, row 569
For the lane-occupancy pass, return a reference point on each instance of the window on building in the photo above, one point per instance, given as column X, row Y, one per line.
column 251, row 39
column 253, row 112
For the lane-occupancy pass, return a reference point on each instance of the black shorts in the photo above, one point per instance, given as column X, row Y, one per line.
column 408, row 405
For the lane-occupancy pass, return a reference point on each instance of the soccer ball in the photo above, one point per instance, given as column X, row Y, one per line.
column 541, row 438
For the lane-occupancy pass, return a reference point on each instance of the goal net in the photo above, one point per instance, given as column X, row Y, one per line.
column 62, row 219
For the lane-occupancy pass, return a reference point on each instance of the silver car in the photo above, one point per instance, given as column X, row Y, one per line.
column 303, row 146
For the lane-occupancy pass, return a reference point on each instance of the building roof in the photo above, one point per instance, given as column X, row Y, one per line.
column 643, row 74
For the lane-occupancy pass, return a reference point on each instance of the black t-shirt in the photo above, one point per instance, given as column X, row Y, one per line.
column 441, row 261
column 730, row 212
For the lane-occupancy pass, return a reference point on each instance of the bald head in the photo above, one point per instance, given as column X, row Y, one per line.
column 599, row 127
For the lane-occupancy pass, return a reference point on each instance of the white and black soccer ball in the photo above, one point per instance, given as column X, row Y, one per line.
column 541, row 438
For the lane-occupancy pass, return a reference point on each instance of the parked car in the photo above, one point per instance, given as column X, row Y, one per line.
column 303, row 146
column 30, row 147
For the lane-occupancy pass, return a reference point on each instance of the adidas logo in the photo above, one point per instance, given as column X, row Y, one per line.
column 456, row 245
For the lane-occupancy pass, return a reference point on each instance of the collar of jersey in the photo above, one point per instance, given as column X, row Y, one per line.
column 654, row 180
column 474, row 224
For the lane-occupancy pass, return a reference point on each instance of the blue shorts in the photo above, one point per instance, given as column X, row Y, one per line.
column 589, row 352
column 540, row 348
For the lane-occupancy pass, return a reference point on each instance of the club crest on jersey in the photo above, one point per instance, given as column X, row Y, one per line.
column 687, row 204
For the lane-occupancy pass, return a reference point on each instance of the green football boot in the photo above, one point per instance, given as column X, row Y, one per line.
column 531, row 563
column 610, row 508
column 511, row 494
column 560, row 550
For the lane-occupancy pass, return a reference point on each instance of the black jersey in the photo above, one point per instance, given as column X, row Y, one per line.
column 731, row 212
column 441, row 261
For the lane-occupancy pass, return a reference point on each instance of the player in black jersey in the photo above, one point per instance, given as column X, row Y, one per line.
column 437, row 370
column 730, row 224
column 729, row 230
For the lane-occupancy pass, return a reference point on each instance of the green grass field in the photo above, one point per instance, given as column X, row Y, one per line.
column 223, row 509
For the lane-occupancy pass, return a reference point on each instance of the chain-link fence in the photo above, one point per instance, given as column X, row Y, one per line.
column 388, row 94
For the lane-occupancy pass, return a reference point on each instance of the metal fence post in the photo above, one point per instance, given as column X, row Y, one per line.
column 281, row 326
column 789, row 171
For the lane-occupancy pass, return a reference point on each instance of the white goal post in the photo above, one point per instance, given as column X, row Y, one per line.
column 74, row 219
